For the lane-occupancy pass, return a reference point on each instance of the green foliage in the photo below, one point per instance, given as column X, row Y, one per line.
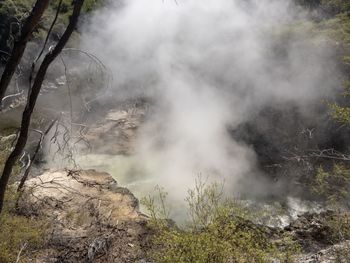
column 339, row 228
column 204, row 203
column 336, row 29
column 7, row 137
column 20, row 8
column 340, row 114
column 18, row 231
column 333, row 185
column 91, row 5
column 14, row 12
column 330, row 7
column 219, row 231
column 335, row 6
column 157, row 208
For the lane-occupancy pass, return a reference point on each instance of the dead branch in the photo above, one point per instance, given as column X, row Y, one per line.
column 37, row 149
column 69, row 92
column 12, row 96
column 20, row 251
column 103, row 69
column 317, row 154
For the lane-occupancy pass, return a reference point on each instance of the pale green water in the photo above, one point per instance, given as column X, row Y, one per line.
column 137, row 177
column 124, row 169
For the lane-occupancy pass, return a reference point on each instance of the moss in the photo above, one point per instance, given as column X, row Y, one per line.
column 18, row 231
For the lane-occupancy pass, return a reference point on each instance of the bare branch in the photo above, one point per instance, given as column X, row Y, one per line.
column 37, row 149
column 23, row 247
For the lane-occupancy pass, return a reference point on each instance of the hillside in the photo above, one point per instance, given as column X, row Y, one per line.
column 179, row 131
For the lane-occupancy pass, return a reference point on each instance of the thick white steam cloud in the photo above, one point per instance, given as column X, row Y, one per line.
column 207, row 65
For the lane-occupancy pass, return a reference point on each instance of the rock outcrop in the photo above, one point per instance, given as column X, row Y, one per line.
column 321, row 237
column 90, row 217
column 339, row 253
column 117, row 131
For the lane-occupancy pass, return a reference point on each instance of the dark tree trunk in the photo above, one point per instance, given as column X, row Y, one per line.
column 33, row 96
column 37, row 149
column 20, row 45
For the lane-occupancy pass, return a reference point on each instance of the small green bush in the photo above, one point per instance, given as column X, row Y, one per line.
column 333, row 186
column 5, row 147
column 339, row 228
column 18, row 232
column 219, row 231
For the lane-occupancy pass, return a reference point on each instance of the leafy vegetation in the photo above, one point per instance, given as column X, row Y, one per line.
column 330, row 7
column 19, row 232
column 339, row 227
column 6, row 140
column 332, row 182
column 333, row 185
column 13, row 13
column 219, row 230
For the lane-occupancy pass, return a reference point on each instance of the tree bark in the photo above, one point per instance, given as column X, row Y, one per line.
column 20, row 45
column 37, row 149
column 33, row 96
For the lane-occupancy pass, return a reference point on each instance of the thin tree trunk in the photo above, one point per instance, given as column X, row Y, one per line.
column 33, row 96
column 20, row 45
column 37, row 149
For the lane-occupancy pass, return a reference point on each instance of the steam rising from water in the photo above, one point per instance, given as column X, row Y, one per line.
column 207, row 65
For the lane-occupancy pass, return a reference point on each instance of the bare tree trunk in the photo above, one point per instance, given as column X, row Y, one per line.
column 37, row 149
column 20, row 45
column 33, row 96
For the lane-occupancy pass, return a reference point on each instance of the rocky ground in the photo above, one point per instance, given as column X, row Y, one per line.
column 91, row 218
column 116, row 132
column 339, row 253
column 317, row 235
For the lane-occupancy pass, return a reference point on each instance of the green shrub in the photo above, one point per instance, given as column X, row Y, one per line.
column 339, row 227
column 6, row 140
column 18, row 232
column 14, row 12
column 335, row 6
column 219, row 231
column 333, row 186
